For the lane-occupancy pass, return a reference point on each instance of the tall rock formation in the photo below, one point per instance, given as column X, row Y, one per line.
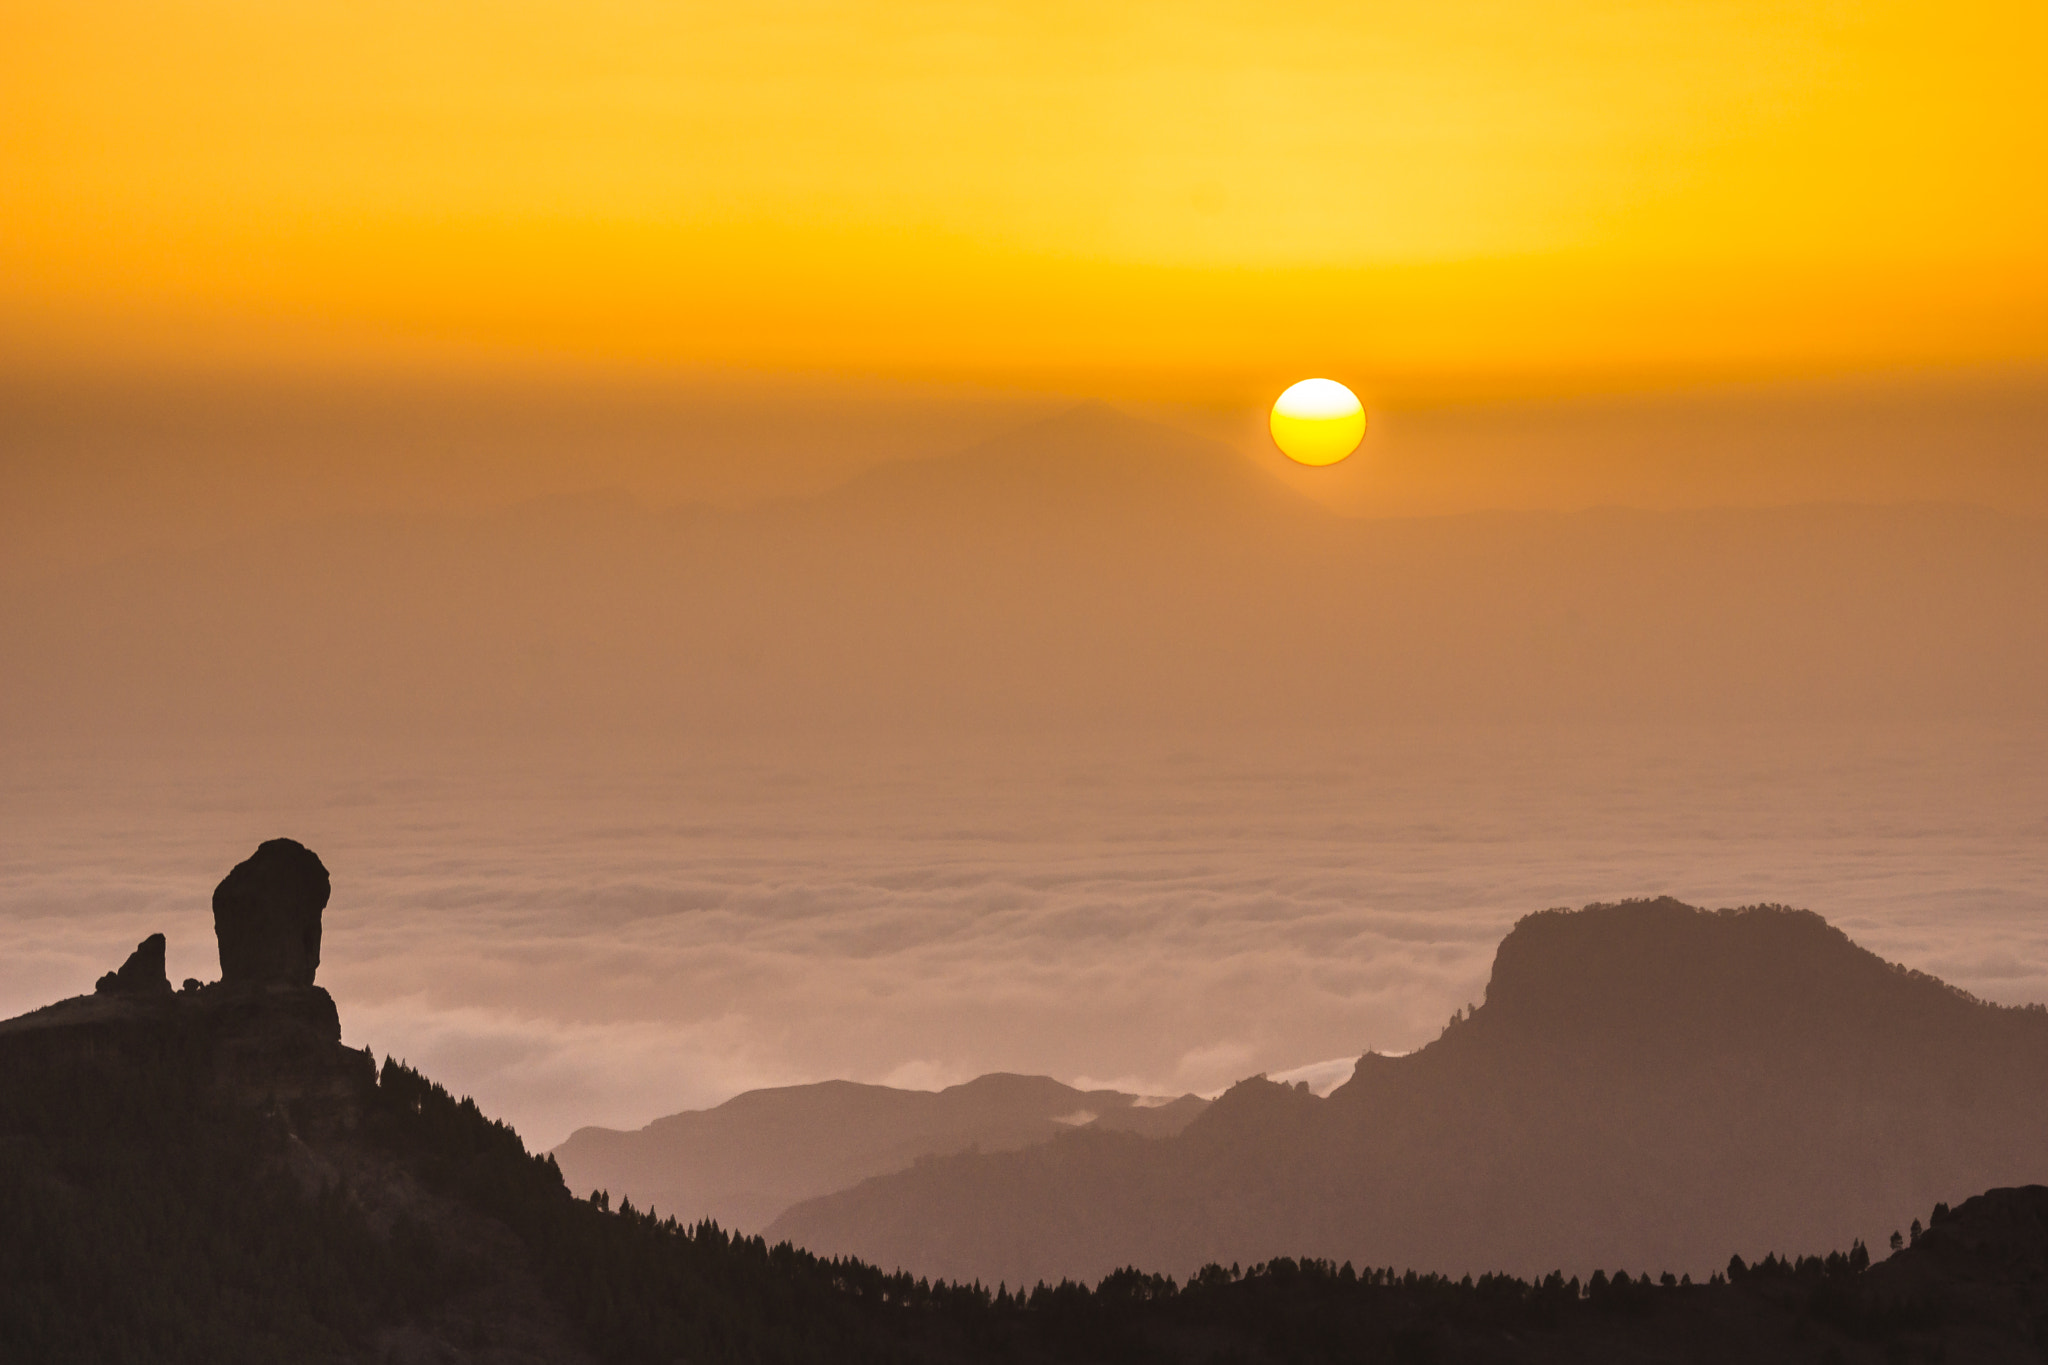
column 266, row 914
column 271, row 1038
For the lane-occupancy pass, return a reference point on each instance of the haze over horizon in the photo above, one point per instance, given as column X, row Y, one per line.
column 1089, row 751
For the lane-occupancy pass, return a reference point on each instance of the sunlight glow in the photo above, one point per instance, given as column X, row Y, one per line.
column 1318, row 422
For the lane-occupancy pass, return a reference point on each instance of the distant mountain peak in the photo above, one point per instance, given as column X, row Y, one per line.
column 745, row 1161
column 1647, row 1084
column 1662, row 971
column 1089, row 457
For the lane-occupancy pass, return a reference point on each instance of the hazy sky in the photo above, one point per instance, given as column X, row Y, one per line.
column 1091, row 751
column 96, row 467
column 1183, row 199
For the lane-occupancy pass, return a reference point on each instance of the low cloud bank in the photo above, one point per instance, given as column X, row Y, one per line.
column 605, row 947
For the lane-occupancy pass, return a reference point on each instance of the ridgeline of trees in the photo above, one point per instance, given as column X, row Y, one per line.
column 145, row 1219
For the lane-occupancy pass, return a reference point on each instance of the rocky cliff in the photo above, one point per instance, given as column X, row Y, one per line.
column 1646, row 1084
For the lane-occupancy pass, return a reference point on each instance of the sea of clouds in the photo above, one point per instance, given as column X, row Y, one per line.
column 602, row 941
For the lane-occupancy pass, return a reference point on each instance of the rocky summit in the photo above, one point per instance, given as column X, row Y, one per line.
column 266, row 914
column 264, row 1034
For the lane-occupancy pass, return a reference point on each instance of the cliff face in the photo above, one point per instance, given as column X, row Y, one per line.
column 1647, row 1085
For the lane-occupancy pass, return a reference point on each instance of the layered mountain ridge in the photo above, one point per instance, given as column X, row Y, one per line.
column 745, row 1161
column 209, row 1175
column 1645, row 1084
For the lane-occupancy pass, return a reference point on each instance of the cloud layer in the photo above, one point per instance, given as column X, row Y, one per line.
column 597, row 944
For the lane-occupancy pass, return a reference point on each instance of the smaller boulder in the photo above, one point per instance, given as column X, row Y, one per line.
column 141, row 974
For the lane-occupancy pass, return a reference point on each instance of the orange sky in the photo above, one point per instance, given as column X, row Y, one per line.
column 1134, row 197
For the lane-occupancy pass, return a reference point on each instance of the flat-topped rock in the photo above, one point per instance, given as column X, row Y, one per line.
column 266, row 915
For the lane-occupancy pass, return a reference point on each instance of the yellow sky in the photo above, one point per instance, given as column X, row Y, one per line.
column 1401, row 193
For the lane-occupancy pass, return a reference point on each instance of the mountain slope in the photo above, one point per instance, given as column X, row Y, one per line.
column 164, row 1201
column 208, row 1175
column 1647, row 1084
column 750, row 1158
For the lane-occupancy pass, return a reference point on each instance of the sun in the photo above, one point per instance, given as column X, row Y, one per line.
column 1318, row 422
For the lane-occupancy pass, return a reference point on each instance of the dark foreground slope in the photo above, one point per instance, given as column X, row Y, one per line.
column 750, row 1158
column 1647, row 1084
column 164, row 1199
column 212, row 1177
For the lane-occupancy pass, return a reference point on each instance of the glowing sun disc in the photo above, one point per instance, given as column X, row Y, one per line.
column 1318, row 421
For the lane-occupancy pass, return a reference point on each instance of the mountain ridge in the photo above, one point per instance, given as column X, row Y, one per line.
column 208, row 1175
column 743, row 1162
column 1590, row 1141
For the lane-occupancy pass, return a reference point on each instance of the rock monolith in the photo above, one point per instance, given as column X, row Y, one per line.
column 266, row 914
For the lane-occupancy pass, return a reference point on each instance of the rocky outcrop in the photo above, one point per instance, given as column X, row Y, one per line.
column 266, row 914
column 141, row 974
column 272, row 1039
column 1646, row 1084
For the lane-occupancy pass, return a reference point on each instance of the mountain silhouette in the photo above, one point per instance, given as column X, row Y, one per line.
column 1646, row 1084
column 750, row 1158
column 208, row 1175
column 1091, row 461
